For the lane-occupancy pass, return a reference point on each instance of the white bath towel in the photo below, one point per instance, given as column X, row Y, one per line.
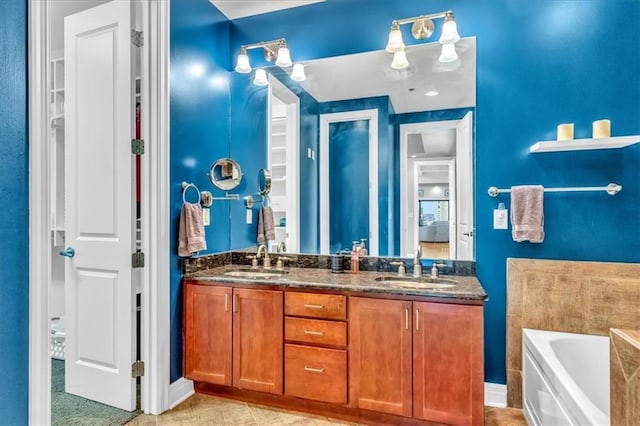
column 527, row 215
column 191, row 231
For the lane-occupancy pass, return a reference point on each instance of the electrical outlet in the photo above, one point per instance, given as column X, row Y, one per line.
column 206, row 217
column 500, row 218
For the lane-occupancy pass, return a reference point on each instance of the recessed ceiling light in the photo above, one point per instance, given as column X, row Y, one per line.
column 432, row 93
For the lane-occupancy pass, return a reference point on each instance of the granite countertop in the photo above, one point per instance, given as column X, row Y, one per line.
column 465, row 288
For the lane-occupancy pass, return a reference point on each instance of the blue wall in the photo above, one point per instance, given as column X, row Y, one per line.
column 14, row 227
column 538, row 64
column 199, row 108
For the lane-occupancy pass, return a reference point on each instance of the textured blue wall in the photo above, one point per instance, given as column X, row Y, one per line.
column 14, row 227
column 538, row 64
column 199, row 122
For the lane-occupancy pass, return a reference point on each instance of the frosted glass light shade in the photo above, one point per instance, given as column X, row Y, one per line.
column 395, row 43
column 298, row 73
column 260, row 79
column 284, row 57
column 448, row 53
column 242, row 64
column 399, row 60
column 449, row 32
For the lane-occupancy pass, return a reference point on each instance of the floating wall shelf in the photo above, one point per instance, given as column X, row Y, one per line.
column 583, row 144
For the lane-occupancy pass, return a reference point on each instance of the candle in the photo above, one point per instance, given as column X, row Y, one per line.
column 565, row 132
column 602, row 129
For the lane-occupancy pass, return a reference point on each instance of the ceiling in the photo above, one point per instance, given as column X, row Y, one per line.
column 369, row 74
column 234, row 9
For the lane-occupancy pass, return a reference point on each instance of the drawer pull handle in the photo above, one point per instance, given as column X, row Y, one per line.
column 417, row 320
column 311, row 306
column 314, row 370
column 314, row 333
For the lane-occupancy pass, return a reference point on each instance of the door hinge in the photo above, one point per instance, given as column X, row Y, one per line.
column 137, row 369
column 137, row 38
column 137, row 259
column 137, row 146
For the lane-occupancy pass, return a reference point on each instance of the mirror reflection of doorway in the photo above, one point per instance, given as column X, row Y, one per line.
column 433, row 228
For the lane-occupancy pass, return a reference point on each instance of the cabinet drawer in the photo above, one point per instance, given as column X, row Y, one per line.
column 315, row 373
column 313, row 305
column 315, row 331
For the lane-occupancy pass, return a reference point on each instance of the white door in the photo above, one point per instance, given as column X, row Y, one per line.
column 464, row 186
column 99, row 296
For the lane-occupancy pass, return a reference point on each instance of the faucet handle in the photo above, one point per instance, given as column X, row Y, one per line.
column 254, row 261
column 401, row 268
column 281, row 260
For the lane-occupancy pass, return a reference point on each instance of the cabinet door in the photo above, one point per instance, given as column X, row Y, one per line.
column 448, row 363
column 380, row 355
column 258, row 340
column 207, row 333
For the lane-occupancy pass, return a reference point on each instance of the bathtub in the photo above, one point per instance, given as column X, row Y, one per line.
column 565, row 378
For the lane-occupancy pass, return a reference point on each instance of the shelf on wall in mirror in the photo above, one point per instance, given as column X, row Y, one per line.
column 584, row 144
column 276, row 165
column 278, row 148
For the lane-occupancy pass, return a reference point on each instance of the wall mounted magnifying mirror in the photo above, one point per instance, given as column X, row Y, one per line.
column 264, row 182
column 225, row 174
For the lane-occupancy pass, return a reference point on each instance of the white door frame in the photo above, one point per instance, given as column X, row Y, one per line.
column 405, row 131
column 292, row 101
column 155, row 212
column 325, row 121
column 412, row 198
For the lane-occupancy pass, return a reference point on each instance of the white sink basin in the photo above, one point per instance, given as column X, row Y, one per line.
column 255, row 274
column 425, row 282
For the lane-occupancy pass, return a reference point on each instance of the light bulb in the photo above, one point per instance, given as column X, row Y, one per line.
column 242, row 64
column 395, row 43
column 284, row 57
column 448, row 53
column 399, row 60
column 449, row 31
column 260, row 79
column 298, row 73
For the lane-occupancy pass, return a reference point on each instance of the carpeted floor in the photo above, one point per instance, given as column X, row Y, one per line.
column 68, row 410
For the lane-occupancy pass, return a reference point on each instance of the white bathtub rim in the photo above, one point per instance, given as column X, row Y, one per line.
column 578, row 405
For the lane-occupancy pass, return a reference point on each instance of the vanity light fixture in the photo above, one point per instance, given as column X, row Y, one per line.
column 421, row 29
column 273, row 50
column 260, row 79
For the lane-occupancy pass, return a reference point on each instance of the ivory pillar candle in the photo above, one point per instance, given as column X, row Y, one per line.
column 565, row 132
column 602, row 129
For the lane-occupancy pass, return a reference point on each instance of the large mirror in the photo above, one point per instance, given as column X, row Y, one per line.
column 381, row 146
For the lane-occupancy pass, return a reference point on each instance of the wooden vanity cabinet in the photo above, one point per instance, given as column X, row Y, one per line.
column 417, row 359
column 233, row 337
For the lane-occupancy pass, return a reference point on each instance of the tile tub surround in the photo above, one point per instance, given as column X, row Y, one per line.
column 367, row 263
column 569, row 296
column 467, row 288
column 625, row 376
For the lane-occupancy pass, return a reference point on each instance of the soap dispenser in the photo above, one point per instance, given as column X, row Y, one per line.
column 355, row 258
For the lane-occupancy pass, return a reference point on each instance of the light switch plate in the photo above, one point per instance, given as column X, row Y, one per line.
column 206, row 217
column 500, row 218
column 308, row 152
column 249, row 216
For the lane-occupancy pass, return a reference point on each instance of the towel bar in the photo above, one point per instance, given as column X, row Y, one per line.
column 612, row 189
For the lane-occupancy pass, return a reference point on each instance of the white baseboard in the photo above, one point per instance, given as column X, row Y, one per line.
column 180, row 390
column 495, row 395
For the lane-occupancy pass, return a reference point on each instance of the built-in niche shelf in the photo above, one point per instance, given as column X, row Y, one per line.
column 584, row 144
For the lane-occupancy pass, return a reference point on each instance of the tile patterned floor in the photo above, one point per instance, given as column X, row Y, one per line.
column 210, row 410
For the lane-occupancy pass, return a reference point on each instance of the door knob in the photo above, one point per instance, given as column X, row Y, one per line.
column 468, row 234
column 68, row 252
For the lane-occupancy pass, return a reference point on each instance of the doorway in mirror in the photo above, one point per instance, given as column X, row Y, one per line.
column 283, row 159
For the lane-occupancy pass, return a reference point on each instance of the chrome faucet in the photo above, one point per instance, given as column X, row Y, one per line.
column 417, row 266
column 266, row 262
column 282, row 247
